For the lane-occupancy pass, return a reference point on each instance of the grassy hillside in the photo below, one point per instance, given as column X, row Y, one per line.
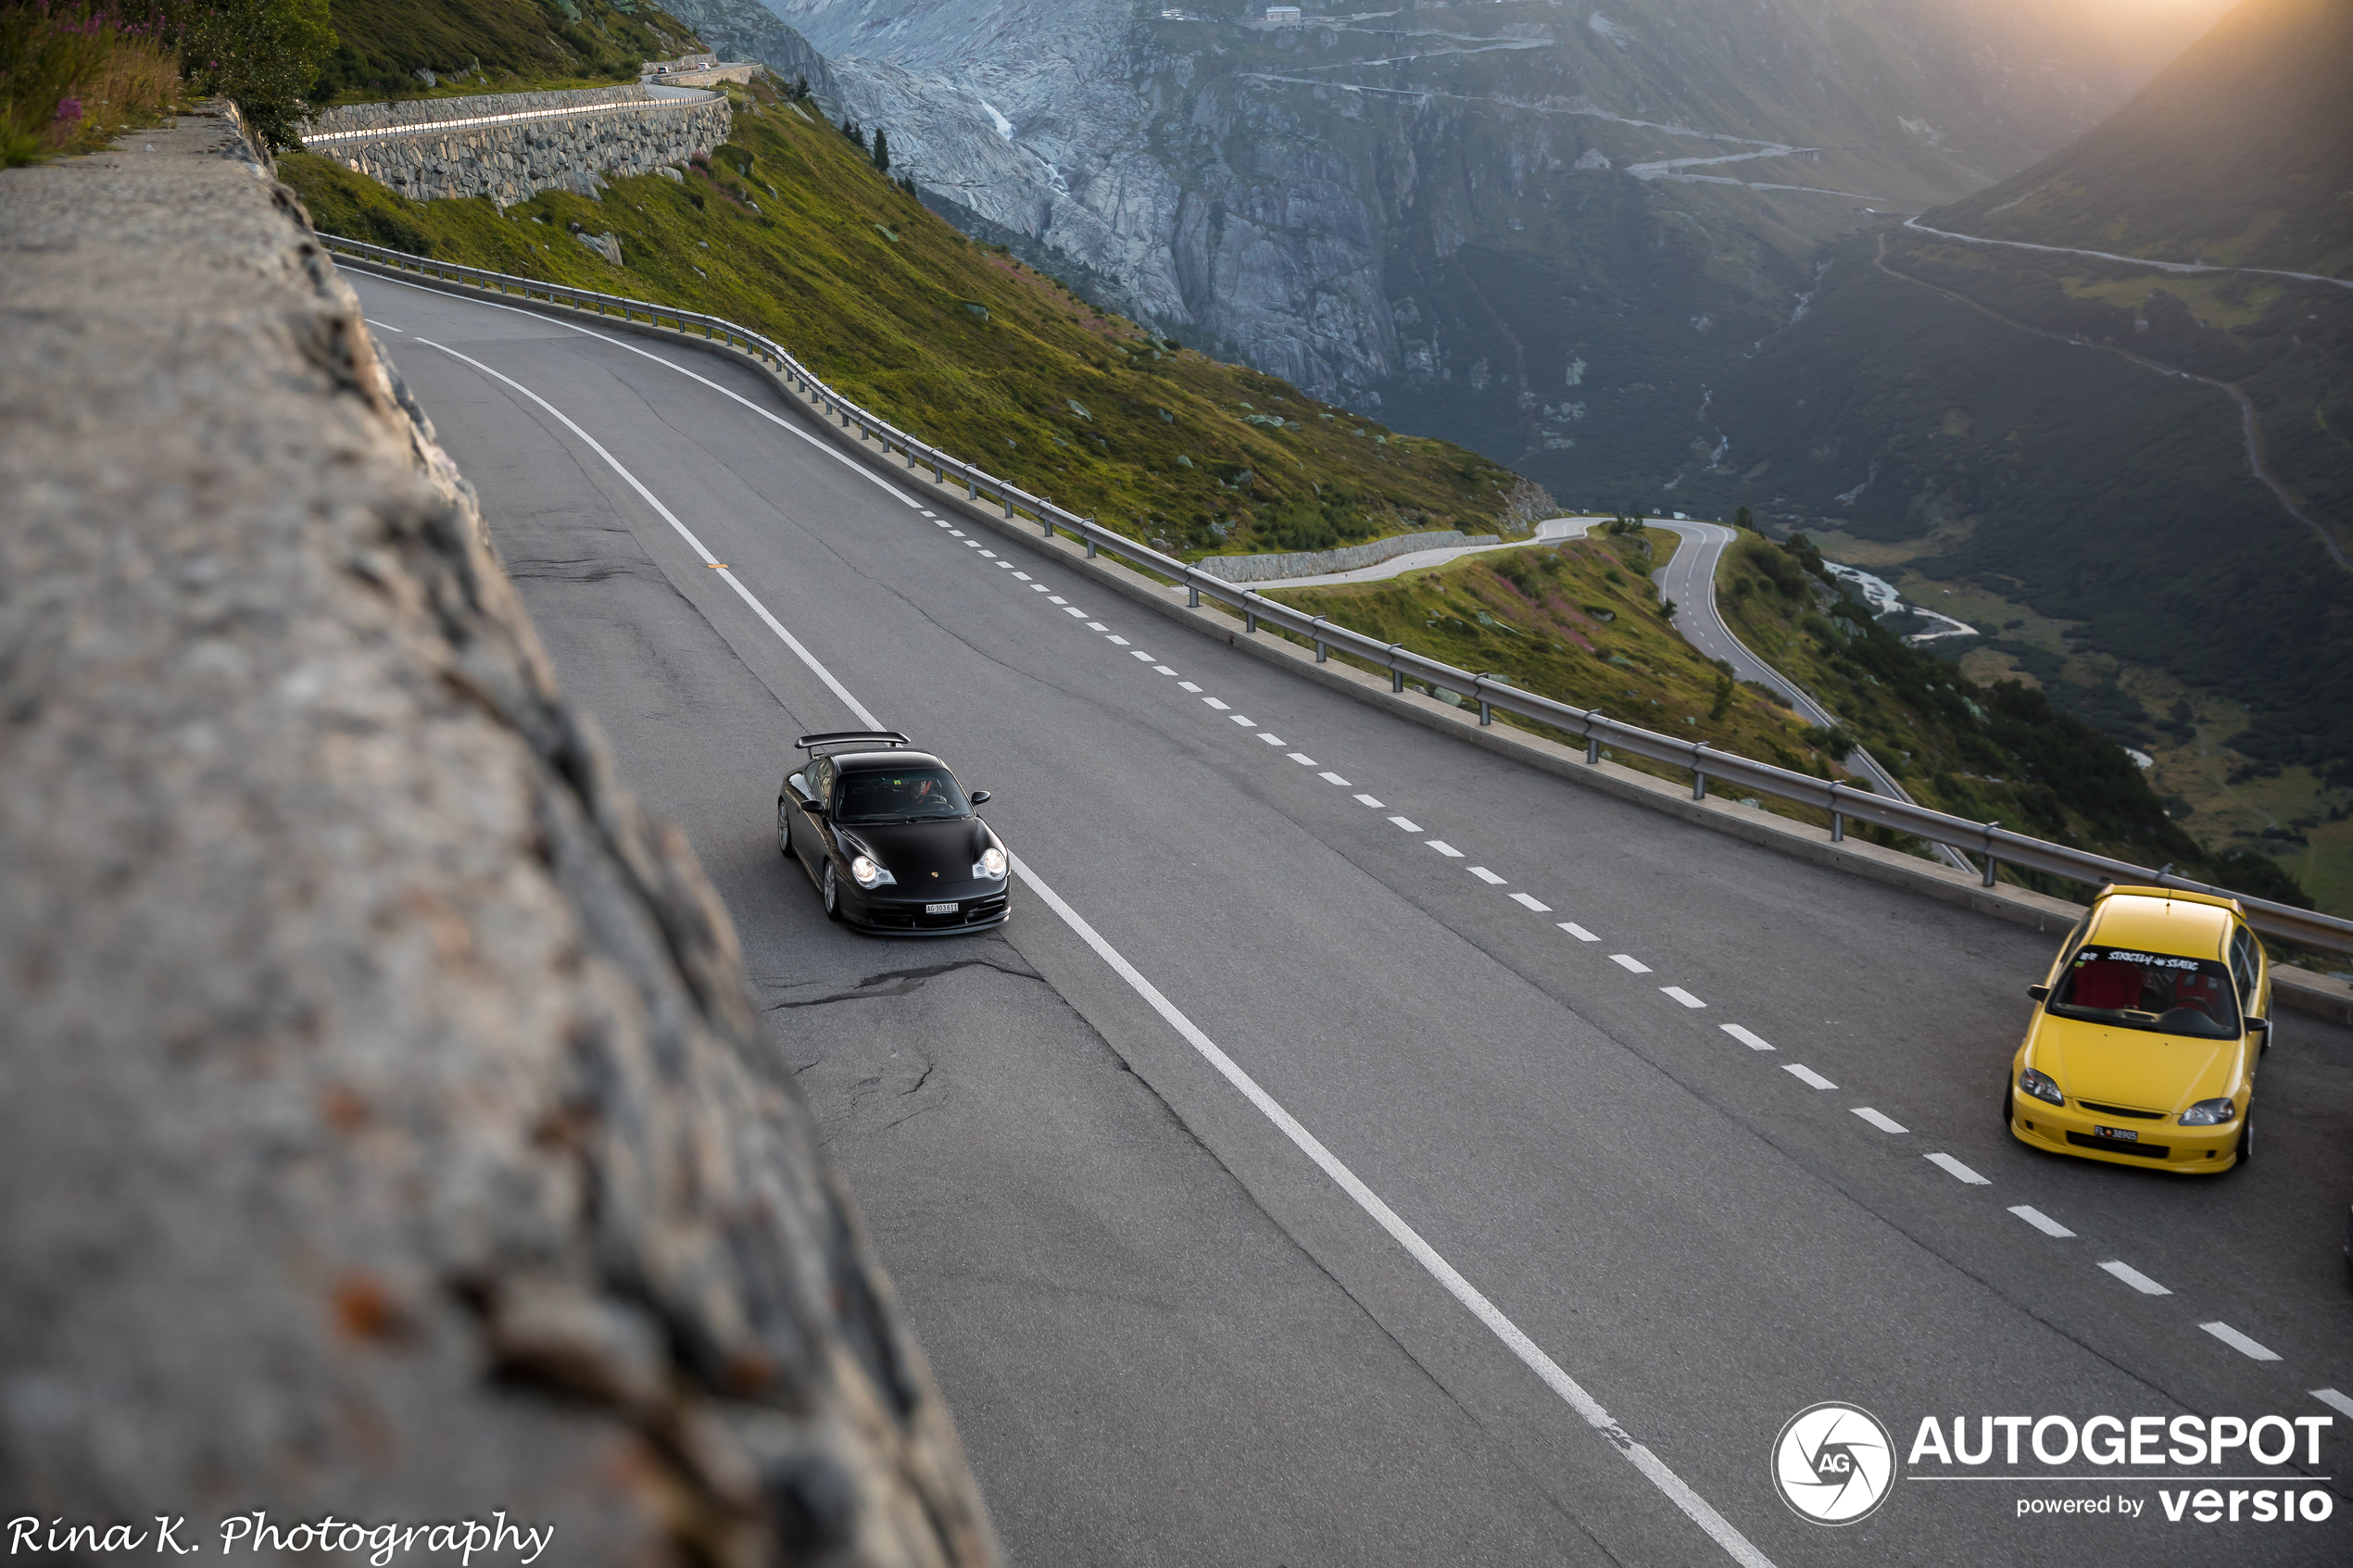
column 2237, row 153
column 491, row 45
column 791, row 230
column 1581, row 622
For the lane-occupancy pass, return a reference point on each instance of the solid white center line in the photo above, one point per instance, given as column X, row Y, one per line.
column 2334, row 1399
column 1579, row 932
column 1245, row 722
column 1526, row 902
column 1333, row 779
column 1445, row 848
column 1683, row 996
column 1369, row 800
column 2041, row 1222
column 1214, row 703
column 1748, row 1037
column 1187, row 685
column 1808, row 1078
column 1957, row 1171
column 1884, row 1122
column 1630, row 963
column 1489, row 878
column 2134, row 1278
column 1407, row 823
column 1303, row 759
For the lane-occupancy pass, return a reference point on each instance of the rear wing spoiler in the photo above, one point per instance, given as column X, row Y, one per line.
column 810, row 744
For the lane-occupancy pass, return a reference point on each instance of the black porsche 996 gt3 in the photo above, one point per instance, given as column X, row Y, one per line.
column 889, row 837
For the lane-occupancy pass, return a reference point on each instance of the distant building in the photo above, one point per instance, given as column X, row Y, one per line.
column 1282, row 15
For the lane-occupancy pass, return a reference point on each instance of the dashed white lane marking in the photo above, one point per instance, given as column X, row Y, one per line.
column 1369, row 800
column 1579, row 932
column 1021, row 576
column 1271, row 738
column 1138, row 653
column 2334, row 1399
column 2240, row 1342
column 1303, row 759
column 1333, row 779
column 1407, row 823
column 1489, row 878
column 1116, row 640
column 1094, row 625
column 2041, row 1222
column 1005, row 566
column 1697, row 1508
column 1885, row 1123
column 988, row 555
column 2133, row 1277
column 1056, row 599
column 1186, row 685
column 1683, row 996
column 1748, row 1037
column 1808, row 1078
column 1037, row 587
column 1074, row 610
column 1164, row 669
column 1957, row 1171
column 1214, row 703
column 1244, row 722
column 1445, row 848
column 943, row 522
column 1671, row 1486
column 373, row 323
column 934, row 516
column 1630, row 963
column 1526, row 902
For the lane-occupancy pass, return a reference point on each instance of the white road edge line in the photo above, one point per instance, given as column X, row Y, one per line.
column 2041, row 1222
column 2240, row 1342
column 1532, row 1356
column 683, row 533
column 1694, row 1506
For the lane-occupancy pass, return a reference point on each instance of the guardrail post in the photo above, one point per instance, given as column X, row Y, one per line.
column 1699, row 771
column 1007, row 501
column 1396, row 673
column 1090, row 546
column 1838, row 817
column 1992, row 865
column 1192, row 595
column 1250, row 621
column 1592, row 749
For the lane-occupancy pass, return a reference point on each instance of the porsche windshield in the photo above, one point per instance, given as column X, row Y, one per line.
column 913, row 795
column 2158, row 991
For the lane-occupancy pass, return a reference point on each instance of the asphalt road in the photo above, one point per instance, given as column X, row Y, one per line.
column 1169, row 1333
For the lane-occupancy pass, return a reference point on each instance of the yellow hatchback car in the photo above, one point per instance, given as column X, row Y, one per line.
column 2143, row 1047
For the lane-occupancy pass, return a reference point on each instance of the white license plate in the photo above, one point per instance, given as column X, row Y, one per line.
column 940, row 909
column 2117, row 1134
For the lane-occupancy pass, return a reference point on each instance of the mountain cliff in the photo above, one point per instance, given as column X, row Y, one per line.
column 1541, row 229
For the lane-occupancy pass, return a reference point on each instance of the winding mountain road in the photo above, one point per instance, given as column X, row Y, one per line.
column 1360, row 1149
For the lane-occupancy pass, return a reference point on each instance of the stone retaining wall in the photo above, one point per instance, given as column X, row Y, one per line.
column 385, row 1130
column 600, row 132
column 1348, row 557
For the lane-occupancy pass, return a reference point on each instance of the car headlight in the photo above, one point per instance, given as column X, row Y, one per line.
column 991, row 865
column 869, row 871
column 2209, row 1113
column 2040, row 1086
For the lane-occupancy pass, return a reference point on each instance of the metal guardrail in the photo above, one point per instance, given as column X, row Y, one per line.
column 1996, row 845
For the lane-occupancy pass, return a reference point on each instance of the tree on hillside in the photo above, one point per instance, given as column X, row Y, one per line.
column 882, row 150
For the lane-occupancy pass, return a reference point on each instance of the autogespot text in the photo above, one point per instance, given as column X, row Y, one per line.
column 2184, row 1458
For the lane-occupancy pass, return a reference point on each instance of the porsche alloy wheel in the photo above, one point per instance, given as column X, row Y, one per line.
column 833, row 894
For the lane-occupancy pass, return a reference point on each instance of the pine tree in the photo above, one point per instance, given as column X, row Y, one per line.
column 882, row 150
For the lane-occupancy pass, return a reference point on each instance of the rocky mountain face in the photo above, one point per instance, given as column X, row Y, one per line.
column 2155, row 452
column 1539, row 228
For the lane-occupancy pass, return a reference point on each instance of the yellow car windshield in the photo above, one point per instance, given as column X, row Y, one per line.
column 2162, row 992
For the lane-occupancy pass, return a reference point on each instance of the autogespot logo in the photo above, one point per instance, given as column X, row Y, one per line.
column 1834, row 1463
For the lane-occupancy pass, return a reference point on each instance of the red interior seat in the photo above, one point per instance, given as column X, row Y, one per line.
column 2106, row 983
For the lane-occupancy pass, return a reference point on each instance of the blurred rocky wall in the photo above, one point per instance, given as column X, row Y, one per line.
column 384, row 1135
